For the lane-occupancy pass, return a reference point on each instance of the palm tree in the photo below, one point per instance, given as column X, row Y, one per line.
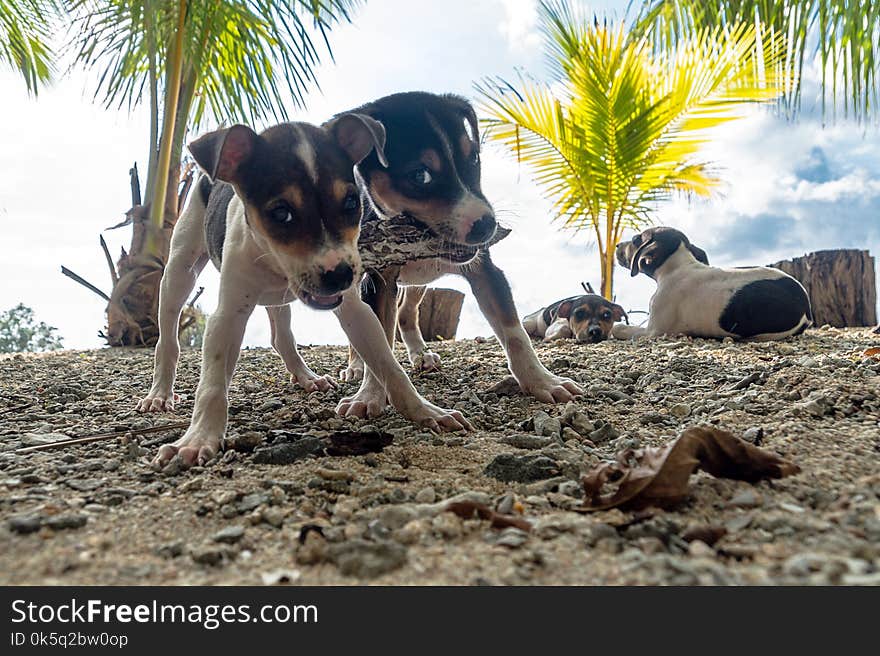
column 192, row 60
column 25, row 29
column 620, row 127
column 845, row 34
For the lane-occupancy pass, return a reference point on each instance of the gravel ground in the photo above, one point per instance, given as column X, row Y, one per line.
column 98, row 514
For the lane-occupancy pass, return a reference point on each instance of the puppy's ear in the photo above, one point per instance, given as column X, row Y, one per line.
column 564, row 310
column 222, row 152
column 618, row 313
column 358, row 134
column 641, row 257
column 698, row 253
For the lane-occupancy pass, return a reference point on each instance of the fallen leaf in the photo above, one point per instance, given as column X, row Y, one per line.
column 659, row 476
column 470, row 509
column 873, row 352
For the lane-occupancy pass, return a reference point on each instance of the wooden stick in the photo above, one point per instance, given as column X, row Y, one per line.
column 113, row 275
column 196, row 297
column 102, row 436
column 85, row 283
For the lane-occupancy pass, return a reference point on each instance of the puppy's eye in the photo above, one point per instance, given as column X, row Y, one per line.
column 351, row 202
column 636, row 240
column 579, row 315
column 421, row 176
column 606, row 315
column 280, row 214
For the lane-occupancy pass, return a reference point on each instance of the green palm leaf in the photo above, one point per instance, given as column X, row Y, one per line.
column 25, row 31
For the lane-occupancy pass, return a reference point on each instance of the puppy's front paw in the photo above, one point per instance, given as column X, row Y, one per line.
column 549, row 388
column 158, row 401
column 425, row 361
column 369, row 401
column 438, row 419
column 312, row 382
column 194, row 448
column 352, row 373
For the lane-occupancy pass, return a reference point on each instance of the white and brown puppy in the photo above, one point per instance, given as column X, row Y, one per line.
column 699, row 300
column 281, row 220
column 432, row 175
column 587, row 318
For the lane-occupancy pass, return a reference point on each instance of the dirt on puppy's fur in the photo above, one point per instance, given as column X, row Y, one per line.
column 98, row 514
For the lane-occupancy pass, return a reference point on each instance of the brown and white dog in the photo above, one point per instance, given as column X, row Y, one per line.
column 587, row 318
column 432, row 175
column 693, row 298
column 281, row 220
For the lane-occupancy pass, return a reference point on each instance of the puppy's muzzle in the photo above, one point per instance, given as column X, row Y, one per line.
column 331, row 285
column 592, row 334
column 482, row 230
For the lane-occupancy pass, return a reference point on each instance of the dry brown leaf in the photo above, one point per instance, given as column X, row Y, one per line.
column 659, row 476
column 873, row 352
column 470, row 509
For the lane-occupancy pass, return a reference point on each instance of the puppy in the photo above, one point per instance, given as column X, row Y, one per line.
column 432, row 176
column 281, row 221
column 587, row 318
column 696, row 299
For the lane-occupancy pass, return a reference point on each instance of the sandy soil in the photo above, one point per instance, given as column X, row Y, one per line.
column 98, row 514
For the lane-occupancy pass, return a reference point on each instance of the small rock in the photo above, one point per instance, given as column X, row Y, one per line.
column 746, row 499
column 289, row 452
column 604, row 433
column 505, row 506
column 245, row 442
column 426, row 495
column 273, row 516
column 546, row 425
column 754, row 435
column 817, row 406
column 207, row 556
column 39, row 439
column 680, row 410
column 313, row 549
column 229, row 535
column 23, row 524
column 62, row 522
column 523, row 441
column 269, row 405
column 513, row 538
column 251, row 502
column 700, row 549
column 170, row 550
column 281, row 577
column 367, row 560
column 521, row 468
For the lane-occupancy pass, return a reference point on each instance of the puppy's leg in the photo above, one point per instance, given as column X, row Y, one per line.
column 187, row 257
column 420, row 356
column 285, row 345
column 559, row 329
column 379, row 291
column 222, row 345
column 368, row 338
column 496, row 301
column 355, row 369
column 622, row 331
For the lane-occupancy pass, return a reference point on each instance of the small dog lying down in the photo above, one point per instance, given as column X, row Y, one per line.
column 587, row 318
column 699, row 300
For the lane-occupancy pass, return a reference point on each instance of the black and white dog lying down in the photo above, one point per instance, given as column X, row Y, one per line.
column 587, row 318
column 699, row 300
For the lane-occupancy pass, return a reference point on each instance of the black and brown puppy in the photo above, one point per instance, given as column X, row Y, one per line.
column 432, row 175
column 587, row 318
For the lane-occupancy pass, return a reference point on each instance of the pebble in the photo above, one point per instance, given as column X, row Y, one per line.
column 281, row 577
column 23, row 524
column 426, row 495
column 63, row 522
column 229, row 535
column 367, row 560
column 680, row 410
column 700, row 549
column 604, row 433
column 546, row 425
column 508, row 467
column 39, row 439
column 746, row 499
column 512, row 538
column 207, row 556
column 523, row 441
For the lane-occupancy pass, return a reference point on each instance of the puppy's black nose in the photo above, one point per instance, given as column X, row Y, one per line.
column 596, row 334
column 482, row 230
column 340, row 278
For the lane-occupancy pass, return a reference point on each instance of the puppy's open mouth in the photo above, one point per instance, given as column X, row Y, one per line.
column 320, row 302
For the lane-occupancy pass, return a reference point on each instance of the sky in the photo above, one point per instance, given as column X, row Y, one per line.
column 790, row 188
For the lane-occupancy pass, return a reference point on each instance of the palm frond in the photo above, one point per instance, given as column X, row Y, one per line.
column 26, row 28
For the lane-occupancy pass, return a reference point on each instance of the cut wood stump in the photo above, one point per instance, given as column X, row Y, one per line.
column 841, row 284
column 439, row 313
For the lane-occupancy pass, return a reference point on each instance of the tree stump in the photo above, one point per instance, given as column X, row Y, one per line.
column 439, row 313
column 841, row 285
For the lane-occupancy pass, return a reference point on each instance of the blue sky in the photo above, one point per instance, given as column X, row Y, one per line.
column 790, row 187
